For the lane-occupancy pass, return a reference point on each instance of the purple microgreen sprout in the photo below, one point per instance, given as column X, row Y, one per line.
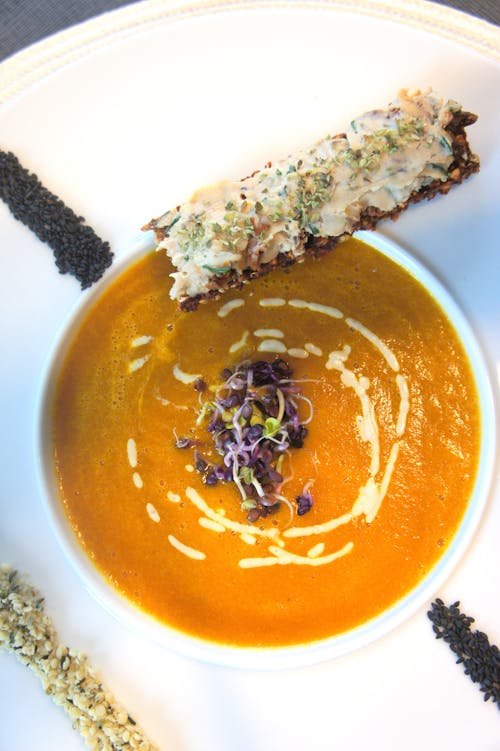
column 253, row 420
column 304, row 503
column 183, row 442
column 199, row 385
column 305, row 499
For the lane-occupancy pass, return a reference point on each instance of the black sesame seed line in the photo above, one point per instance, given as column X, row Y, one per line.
column 479, row 658
column 76, row 247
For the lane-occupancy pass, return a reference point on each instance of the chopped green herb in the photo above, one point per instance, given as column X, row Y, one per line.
column 175, row 220
column 216, row 269
column 445, row 143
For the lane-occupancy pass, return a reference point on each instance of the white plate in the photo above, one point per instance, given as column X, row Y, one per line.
column 122, row 117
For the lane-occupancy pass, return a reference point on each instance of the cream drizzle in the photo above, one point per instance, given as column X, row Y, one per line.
column 271, row 345
column 389, row 469
column 140, row 341
column 249, row 539
column 132, row 453
column 313, row 349
column 233, row 526
column 298, row 353
column 367, row 422
column 184, row 377
column 152, row 513
column 272, row 302
column 384, row 350
column 240, row 343
column 196, row 555
column 269, row 333
column 404, row 405
column 316, row 550
column 138, row 363
column 224, row 310
column 137, row 480
column 173, row 497
column 167, row 403
column 284, row 557
column 318, row 529
column 371, row 495
column 210, row 524
column 316, row 307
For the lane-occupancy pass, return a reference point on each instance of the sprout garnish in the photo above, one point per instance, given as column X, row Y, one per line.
column 253, row 419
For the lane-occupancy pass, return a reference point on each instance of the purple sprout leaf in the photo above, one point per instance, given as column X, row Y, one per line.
column 184, row 443
column 304, row 503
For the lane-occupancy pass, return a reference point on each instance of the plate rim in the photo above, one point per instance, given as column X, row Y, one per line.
column 30, row 65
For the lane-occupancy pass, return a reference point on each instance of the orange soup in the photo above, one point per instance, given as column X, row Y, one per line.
column 390, row 456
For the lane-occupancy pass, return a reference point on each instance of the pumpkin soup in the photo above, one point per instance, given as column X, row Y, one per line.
column 338, row 525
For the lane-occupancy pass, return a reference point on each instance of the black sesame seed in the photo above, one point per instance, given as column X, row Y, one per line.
column 76, row 247
column 480, row 659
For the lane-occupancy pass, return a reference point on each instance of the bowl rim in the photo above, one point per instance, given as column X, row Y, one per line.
column 290, row 656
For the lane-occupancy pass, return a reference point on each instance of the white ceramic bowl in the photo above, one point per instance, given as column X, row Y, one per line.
column 291, row 656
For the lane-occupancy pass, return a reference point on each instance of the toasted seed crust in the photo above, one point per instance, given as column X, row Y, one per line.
column 464, row 164
column 27, row 632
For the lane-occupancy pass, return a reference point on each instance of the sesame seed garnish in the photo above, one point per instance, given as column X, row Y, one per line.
column 76, row 247
column 66, row 676
column 480, row 659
